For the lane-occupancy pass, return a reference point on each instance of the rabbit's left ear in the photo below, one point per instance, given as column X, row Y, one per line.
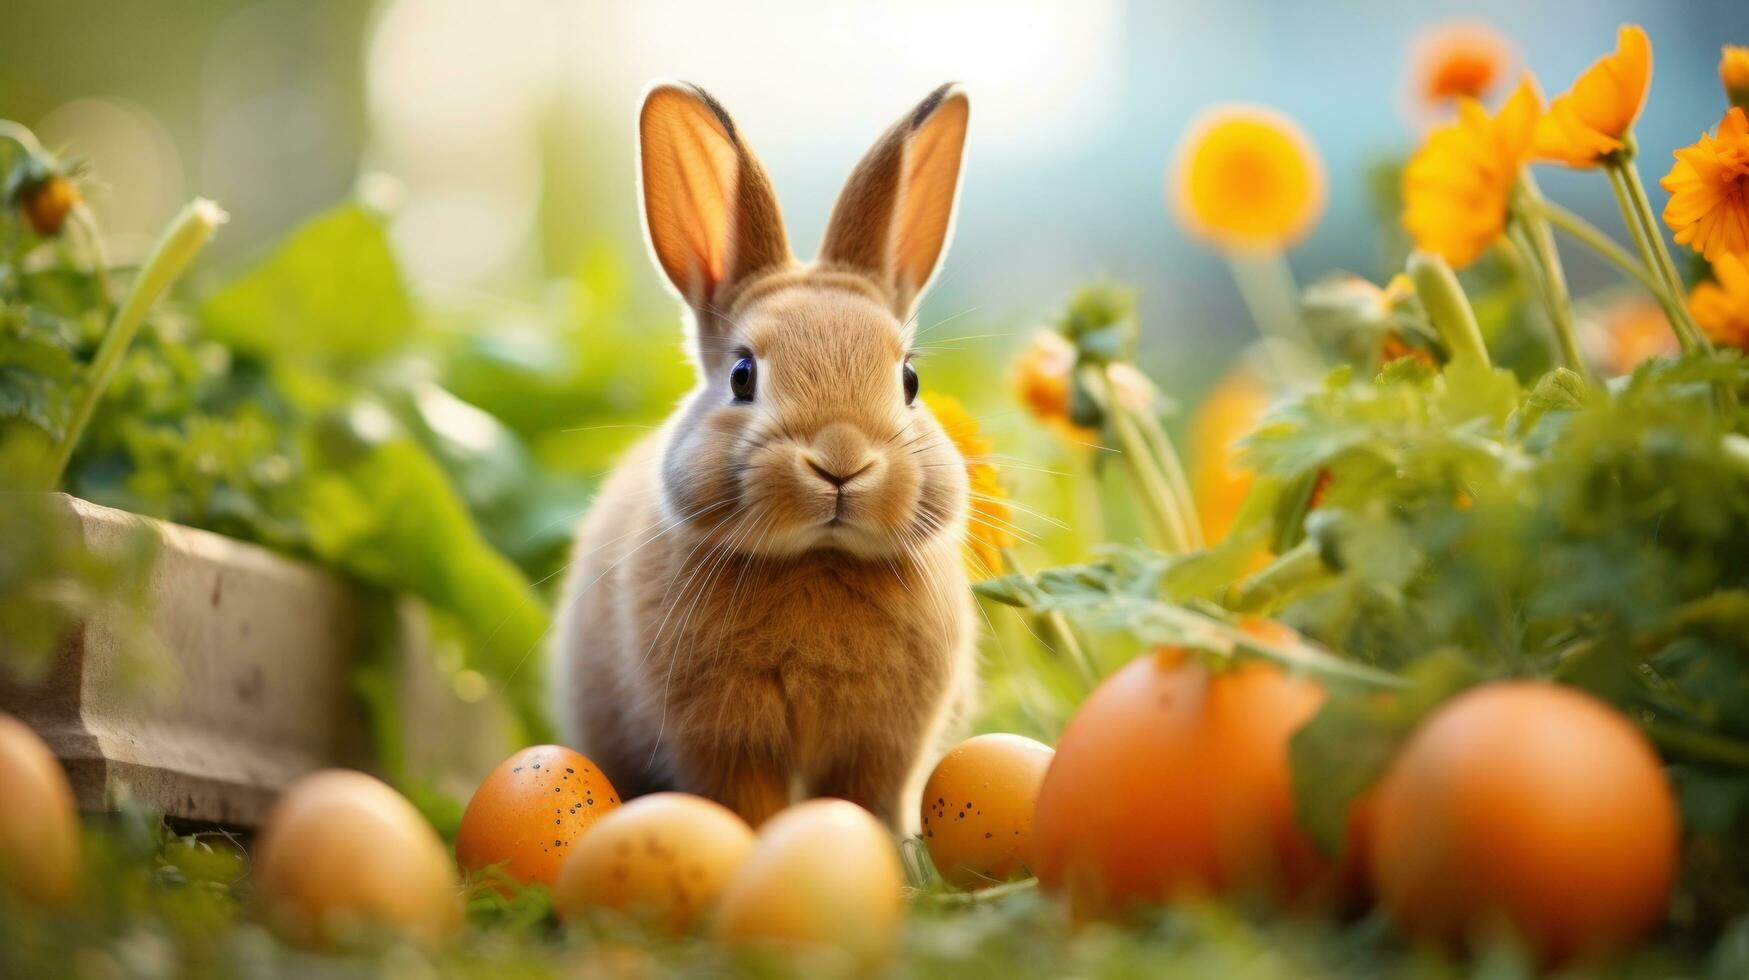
column 895, row 214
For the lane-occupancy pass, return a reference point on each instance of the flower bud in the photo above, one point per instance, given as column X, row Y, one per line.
column 1734, row 74
column 46, row 202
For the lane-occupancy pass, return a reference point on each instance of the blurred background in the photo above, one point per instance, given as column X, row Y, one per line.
column 499, row 137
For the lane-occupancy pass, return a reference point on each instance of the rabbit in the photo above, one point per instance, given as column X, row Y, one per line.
column 768, row 597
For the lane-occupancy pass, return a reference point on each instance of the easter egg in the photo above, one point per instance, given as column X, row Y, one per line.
column 343, row 859
column 1529, row 807
column 39, row 825
column 977, row 808
column 1172, row 780
column 823, row 879
column 660, row 859
column 530, row 811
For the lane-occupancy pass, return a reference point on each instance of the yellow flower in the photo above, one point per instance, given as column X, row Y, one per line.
column 990, row 520
column 1709, row 190
column 1458, row 60
column 1457, row 186
column 1592, row 119
column 1217, row 480
column 1721, row 307
column 1247, row 178
column 1734, row 74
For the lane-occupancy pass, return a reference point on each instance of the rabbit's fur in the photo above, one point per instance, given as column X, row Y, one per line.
column 736, row 623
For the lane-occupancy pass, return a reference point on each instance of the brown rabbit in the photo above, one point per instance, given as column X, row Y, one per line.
column 768, row 597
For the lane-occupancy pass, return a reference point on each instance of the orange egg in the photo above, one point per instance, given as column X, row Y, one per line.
column 823, row 883
column 1531, row 807
column 39, row 825
column 343, row 859
column 977, row 808
column 530, row 810
column 1173, row 780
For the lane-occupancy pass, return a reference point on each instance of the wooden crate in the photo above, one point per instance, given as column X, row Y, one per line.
column 255, row 689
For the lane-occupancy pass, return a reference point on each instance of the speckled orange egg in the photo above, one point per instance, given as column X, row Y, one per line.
column 977, row 808
column 529, row 812
column 660, row 859
column 39, row 827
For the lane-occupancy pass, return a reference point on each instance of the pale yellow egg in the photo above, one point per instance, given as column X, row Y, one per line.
column 39, row 825
column 343, row 859
column 823, row 877
column 660, row 859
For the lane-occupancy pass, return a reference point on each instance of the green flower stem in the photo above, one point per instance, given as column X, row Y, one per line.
column 1152, row 482
column 1552, row 277
column 176, row 248
column 1447, row 306
column 1650, row 242
column 1593, row 238
column 1266, row 286
column 1172, row 465
column 1655, row 230
column 1063, row 638
column 1530, row 264
column 1160, row 510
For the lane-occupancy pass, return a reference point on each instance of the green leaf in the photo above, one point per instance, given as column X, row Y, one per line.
column 1561, row 390
column 330, row 291
column 1124, row 593
column 388, row 515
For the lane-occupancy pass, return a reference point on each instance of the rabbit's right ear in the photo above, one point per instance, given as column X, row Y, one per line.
column 709, row 212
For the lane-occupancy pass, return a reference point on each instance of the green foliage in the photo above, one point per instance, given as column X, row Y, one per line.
column 331, row 291
column 286, row 415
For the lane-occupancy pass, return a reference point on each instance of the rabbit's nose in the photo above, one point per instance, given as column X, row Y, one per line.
column 836, row 479
column 838, row 454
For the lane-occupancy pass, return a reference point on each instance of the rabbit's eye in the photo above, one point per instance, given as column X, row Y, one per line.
column 741, row 379
column 910, row 376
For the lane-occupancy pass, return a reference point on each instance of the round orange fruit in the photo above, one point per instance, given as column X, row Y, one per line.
column 1173, row 780
column 1528, row 808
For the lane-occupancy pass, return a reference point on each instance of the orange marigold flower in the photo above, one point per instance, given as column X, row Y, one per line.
column 990, row 519
column 1457, row 186
column 1592, row 119
column 1041, row 377
column 1246, row 177
column 1461, row 59
column 1734, row 74
column 46, row 203
column 1721, row 306
column 1630, row 331
column 1709, row 190
column 1217, row 480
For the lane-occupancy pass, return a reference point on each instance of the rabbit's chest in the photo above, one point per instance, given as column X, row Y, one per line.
column 822, row 622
